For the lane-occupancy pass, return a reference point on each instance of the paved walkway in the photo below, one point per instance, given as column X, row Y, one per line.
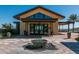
column 67, row 44
column 15, row 46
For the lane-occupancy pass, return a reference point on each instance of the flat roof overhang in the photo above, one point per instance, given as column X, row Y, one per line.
column 37, row 20
column 65, row 23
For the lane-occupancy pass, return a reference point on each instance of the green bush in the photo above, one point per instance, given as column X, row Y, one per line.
column 1, row 36
column 77, row 39
column 14, row 32
column 3, row 33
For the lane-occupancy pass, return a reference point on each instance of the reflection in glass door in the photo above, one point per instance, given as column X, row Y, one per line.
column 39, row 29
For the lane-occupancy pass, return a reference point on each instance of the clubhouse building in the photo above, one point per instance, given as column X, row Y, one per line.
column 38, row 21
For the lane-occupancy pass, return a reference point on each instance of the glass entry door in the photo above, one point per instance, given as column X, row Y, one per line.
column 39, row 29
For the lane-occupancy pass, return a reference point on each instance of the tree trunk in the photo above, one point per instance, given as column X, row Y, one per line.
column 73, row 26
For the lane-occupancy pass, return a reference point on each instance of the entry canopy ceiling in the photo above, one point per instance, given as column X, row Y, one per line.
column 39, row 12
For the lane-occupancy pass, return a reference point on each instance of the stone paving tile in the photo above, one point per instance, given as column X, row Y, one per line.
column 9, row 47
column 15, row 46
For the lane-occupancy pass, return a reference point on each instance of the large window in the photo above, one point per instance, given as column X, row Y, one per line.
column 39, row 16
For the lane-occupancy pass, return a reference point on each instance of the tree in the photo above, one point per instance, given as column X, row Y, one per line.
column 73, row 18
column 7, row 26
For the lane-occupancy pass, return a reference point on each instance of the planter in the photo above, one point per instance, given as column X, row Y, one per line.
column 77, row 39
column 9, row 34
column 39, row 43
column 69, row 35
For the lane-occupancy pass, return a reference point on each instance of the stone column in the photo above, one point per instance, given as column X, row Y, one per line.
column 55, row 27
column 22, row 28
column 49, row 30
column 28, row 29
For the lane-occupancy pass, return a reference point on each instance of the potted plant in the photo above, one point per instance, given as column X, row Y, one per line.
column 69, row 34
column 8, row 34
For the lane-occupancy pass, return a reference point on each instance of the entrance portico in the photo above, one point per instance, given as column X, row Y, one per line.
column 37, row 28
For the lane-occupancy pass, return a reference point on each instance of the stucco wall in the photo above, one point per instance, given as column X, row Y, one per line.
column 55, row 27
column 22, row 28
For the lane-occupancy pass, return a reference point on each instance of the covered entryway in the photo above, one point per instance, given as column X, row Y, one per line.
column 39, row 27
column 65, row 23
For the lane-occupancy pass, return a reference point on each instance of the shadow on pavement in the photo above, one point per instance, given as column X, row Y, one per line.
column 26, row 37
column 49, row 46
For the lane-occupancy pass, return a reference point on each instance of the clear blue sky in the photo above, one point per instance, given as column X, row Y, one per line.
column 8, row 11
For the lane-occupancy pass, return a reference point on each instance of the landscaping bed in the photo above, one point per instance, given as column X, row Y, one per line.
column 36, row 44
column 77, row 39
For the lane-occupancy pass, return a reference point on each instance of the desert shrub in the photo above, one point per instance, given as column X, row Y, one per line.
column 1, row 36
column 39, row 43
column 69, row 34
column 14, row 32
column 77, row 39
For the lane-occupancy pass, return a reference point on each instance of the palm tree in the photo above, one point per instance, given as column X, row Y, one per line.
column 73, row 18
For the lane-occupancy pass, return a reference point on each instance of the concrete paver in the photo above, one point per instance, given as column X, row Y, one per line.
column 15, row 46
